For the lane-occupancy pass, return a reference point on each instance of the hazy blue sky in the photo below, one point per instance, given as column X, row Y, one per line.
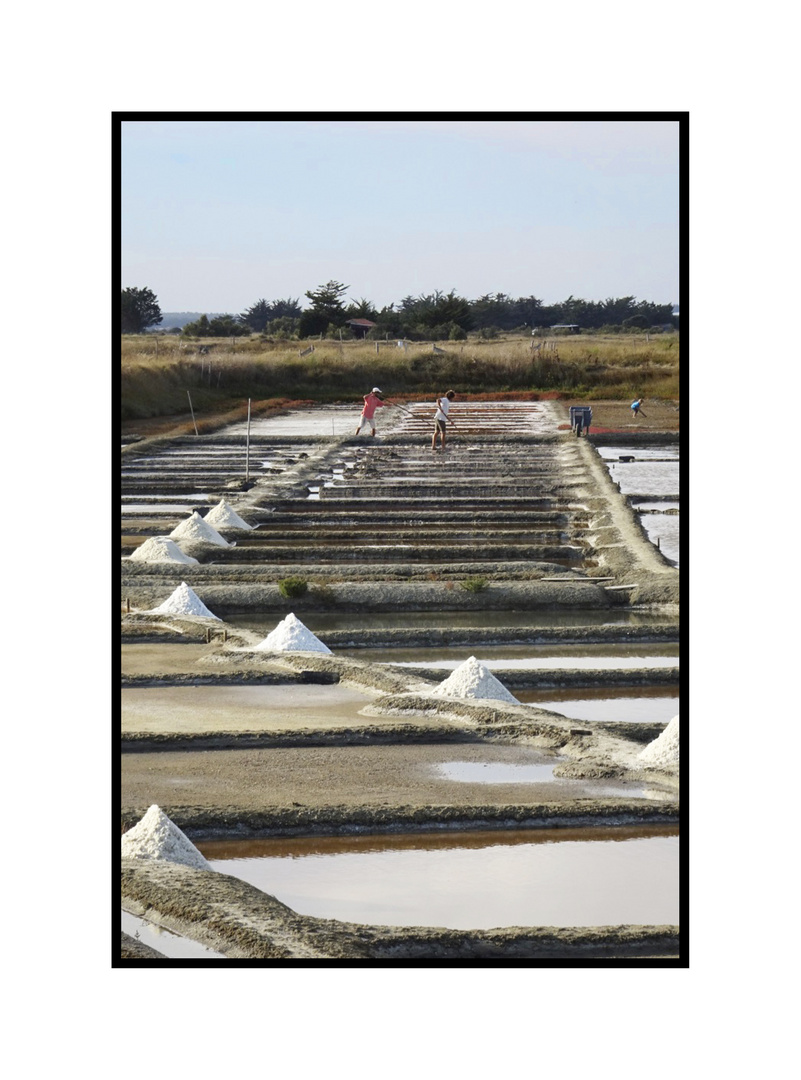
column 217, row 214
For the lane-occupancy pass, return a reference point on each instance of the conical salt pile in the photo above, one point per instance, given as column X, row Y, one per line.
column 161, row 549
column 663, row 752
column 155, row 837
column 195, row 528
column 222, row 516
column 473, row 680
column 184, row 601
column 292, row 636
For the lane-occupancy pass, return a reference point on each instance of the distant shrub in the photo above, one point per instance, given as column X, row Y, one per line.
column 311, row 323
column 475, row 584
column 293, row 587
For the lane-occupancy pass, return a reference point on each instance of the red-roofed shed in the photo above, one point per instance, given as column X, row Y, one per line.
column 360, row 327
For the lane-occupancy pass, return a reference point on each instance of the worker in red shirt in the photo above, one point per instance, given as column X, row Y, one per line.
column 372, row 401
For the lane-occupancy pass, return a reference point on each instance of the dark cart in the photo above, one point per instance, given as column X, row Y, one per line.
column 580, row 419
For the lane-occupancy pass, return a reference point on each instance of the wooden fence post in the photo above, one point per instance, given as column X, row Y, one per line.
column 247, row 447
column 191, row 410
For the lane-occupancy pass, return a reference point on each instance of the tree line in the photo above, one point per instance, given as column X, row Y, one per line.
column 435, row 316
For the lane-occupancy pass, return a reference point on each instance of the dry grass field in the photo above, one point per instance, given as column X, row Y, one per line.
column 158, row 371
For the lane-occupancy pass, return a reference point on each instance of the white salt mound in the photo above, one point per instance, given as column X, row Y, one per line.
column 195, row 528
column 161, row 549
column 473, row 680
column 184, row 601
column 663, row 752
column 155, row 837
column 222, row 516
column 292, row 636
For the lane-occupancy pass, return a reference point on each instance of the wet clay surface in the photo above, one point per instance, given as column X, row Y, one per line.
column 374, row 776
column 202, row 709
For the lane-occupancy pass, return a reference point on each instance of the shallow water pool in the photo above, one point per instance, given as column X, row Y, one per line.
column 636, row 705
column 525, row 657
column 653, row 471
column 501, row 772
column 182, row 709
column 164, row 941
column 478, row 880
column 318, row 621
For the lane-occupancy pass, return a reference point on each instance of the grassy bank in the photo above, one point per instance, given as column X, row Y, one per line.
column 158, row 371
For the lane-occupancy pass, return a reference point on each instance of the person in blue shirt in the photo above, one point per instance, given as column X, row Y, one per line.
column 635, row 407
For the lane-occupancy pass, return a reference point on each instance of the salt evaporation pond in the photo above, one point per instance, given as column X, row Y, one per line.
column 654, row 471
column 470, row 880
column 663, row 529
column 640, row 705
column 156, row 508
column 479, row 620
column 525, row 657
column 503, row 772
column 164, row 941
column 329, row 420
column 181, row 709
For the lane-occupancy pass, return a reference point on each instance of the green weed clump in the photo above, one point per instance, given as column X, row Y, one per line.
column 475, row 584
column 293, row 587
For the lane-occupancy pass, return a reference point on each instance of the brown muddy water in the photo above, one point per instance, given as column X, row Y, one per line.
column 470, row 880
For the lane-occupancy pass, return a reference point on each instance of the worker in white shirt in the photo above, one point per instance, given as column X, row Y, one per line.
column 441, row 418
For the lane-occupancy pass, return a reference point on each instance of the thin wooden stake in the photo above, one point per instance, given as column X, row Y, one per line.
column 191, row 410
column 247, row 447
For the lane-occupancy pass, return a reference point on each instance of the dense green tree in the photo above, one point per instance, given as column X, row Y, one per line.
column 257, row 316
column 311, row 323
column 434, row 310
column 221, row 326
column 501, row 311
column 388, row 323
column 636, row 322
column 284, row 326
column 263, row 312
column 361, row 309
column 327, row 301
column 286, row 309
column 140, row 309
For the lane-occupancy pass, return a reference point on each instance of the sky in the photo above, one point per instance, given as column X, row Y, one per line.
column 217, row 214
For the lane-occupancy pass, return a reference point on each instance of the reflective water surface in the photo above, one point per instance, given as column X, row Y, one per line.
column 487, row 619
column 494, row 772
column 555, row 877
column 652, row 470
column 164, row 941
column 240, row 708
column 513, row 657
column 656, row 704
